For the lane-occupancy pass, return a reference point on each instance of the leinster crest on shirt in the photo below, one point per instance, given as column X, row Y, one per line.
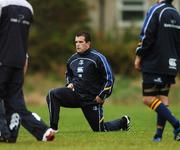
column 80, row 68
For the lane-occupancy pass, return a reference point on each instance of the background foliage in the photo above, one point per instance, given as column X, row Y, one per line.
column 51, row 38
column 52, row 34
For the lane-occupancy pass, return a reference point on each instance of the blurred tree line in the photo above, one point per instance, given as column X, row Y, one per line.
column 52, row 35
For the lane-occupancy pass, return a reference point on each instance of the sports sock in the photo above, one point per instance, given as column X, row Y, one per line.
column 163, row 111
column 161, row 122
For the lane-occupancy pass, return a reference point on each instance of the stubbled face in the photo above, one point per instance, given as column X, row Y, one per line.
column 81, row 44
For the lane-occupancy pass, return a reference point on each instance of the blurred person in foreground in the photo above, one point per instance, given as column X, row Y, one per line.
column 16, row 17
column 158, row 58
column 89, row 83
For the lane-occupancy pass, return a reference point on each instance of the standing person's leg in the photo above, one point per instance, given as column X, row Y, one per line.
column 5, row 133
column 161, row 121
column 56, row 98
column 16, row 103
column 30, row 121
column 4, row 130
column 95, row 118
column 155, row 104
column 13, row 121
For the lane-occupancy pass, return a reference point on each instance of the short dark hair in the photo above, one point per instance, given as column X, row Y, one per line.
column 85, row 34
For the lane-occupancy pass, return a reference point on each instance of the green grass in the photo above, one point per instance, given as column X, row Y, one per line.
column 126, row 90
column 75, row 133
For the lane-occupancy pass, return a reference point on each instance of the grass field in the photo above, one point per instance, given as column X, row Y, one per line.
column 75, row 133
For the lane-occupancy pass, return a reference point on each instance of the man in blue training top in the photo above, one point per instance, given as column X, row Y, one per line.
column 158, row 58
column 89, row 83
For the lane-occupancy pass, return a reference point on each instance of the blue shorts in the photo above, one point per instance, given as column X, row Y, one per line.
column 156, row 84
column 157, row 79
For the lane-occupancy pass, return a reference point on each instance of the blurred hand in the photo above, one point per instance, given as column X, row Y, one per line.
column 137, row 63
column 99, row 100
column 71, row 86
column 26, row 66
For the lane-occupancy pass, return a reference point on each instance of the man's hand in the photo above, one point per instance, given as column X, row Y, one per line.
column 137, row 63
column 99, row 100
column 26, row 66
column 71, row 86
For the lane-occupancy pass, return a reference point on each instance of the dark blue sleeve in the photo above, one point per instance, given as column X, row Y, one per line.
column 148, row 32
column 107, row 76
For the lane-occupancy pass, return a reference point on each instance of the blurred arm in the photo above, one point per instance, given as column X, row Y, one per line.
column 26, row 64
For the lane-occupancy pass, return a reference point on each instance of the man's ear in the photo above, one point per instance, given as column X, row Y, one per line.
column 89, row 43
